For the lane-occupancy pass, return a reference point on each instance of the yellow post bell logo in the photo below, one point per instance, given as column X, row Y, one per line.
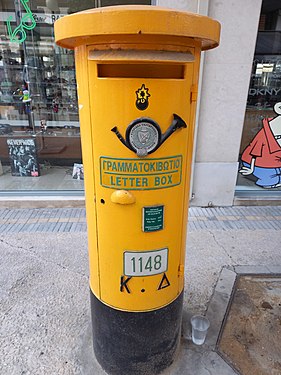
column 142, row 98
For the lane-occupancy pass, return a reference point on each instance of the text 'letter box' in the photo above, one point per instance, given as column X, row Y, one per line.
column 137, row 75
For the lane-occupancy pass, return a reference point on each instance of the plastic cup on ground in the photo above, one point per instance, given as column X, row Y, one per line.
column 200, row 326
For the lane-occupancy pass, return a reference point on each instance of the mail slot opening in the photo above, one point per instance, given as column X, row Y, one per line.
column 165, row 71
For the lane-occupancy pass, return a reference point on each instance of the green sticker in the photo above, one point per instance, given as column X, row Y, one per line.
column 152, row 218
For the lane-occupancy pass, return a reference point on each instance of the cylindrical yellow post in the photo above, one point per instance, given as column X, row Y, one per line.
column 137, row 73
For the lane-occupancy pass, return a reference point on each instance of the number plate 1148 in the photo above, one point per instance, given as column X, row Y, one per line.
column 145, row 263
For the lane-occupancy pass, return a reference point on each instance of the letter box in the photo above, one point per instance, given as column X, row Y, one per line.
column 137, row 77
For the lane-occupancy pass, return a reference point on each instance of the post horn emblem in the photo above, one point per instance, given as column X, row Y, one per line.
column 144, row 136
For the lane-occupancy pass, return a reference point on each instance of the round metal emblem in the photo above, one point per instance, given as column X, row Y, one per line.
column 143, row 136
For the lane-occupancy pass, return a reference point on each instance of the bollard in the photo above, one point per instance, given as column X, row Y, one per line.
column 137, row 76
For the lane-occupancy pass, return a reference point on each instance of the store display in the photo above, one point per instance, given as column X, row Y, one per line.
column 43, row 125
column 264, row 93
column 51, row 83
column 39, row 120
column 23, row 157
column 46, row 107
column 26, row 96
column 5, row 129
column 78, row 171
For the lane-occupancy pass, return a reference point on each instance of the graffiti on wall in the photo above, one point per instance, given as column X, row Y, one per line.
column 27, row 22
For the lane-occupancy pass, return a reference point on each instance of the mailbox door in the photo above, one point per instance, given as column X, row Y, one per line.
column 140, row 244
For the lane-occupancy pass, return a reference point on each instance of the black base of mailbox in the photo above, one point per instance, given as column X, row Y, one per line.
column 136, row 343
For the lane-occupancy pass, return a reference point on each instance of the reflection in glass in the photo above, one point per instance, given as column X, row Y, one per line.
column 38, row 99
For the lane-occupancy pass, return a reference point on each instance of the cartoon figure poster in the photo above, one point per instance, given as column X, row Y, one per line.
column 262, row 157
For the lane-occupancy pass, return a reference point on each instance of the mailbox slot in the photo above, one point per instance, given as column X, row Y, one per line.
column 141, row 64
column 163, row 71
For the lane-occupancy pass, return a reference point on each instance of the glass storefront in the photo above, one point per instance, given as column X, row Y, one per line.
column 260, row 151
column 39, row 123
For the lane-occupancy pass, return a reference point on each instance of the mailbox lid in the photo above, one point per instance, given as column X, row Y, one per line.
column 141, row 56
column 87, row 27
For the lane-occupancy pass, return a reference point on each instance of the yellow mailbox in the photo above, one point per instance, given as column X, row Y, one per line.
column 137, row 75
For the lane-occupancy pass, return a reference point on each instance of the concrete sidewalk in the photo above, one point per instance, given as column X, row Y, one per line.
column 44, row 297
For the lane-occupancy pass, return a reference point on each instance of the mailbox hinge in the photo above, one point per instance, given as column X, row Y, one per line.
column 193, row 93
column 181, row 270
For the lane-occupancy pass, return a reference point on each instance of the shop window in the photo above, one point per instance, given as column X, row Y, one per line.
column 39, row 122
column 260, row 151
column 78, row 5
